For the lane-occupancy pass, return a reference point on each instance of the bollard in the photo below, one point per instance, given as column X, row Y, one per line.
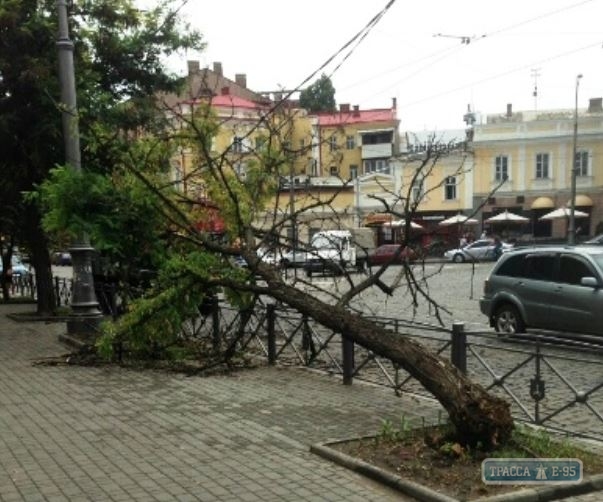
column 347, row 352
column 458, row 354
column 270, row 319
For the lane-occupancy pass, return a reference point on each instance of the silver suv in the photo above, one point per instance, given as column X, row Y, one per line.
column 558, row 288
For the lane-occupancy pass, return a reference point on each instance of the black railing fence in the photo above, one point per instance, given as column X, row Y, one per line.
column 546, row 382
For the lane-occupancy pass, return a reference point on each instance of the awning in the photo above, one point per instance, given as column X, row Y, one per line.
column 582, row 201
column 378, row 219
column 543, row 203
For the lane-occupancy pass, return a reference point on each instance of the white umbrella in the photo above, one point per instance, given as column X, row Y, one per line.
column 563, row 212
column 401, row 223
column 458, row 219
column 507, row 217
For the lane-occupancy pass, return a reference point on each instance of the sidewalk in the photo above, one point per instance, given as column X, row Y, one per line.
column 111, row 434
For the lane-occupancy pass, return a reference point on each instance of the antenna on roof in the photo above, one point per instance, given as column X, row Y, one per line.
column 535, row 72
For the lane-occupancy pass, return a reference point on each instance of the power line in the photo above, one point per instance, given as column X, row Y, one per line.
column 498, row 75
column 466, row 44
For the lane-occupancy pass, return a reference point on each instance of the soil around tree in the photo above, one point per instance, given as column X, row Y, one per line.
column 431, row 459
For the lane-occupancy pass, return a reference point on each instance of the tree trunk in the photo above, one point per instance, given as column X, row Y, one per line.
column 478, row 416
column 40, row 260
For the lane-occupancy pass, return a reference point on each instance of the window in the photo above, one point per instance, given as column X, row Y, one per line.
column 416, row 192
column 237, row 144
column 333, row 171
column 350, row 143
column 581, row 163
column 539, row 267
column 353, row 172
column 513, row 267
column 332, row 143
column 542, row 165
column 450, row 188
column 376, row 166
column 241, row 170
column 501, row 168
column 572, row 270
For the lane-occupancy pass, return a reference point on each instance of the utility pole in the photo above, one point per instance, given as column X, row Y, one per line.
column 571, row 227
column 85, row 316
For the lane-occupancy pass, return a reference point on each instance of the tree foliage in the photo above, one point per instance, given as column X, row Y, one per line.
column 319, row 96
column 119, row 61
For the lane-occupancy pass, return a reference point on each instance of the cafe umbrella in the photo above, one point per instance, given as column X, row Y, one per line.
column 507, row 217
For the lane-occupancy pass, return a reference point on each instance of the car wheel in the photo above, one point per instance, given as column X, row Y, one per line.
column 508, row 321
column 458, row 258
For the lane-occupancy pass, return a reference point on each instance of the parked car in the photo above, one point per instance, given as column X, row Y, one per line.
column 268, row 255
column 62, row 258
column 480, row 250
column 386, row 252
column 597, row 241
column 294, row 259
column 556, row 287
column 17, row 268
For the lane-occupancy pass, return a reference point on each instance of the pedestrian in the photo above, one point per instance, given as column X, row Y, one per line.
column 497, row 248
column 484, row 235
column 463, row 241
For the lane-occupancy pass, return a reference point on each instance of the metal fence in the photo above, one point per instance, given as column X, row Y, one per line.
column 546, row 383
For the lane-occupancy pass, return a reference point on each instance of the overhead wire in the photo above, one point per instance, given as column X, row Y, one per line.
column 464, row 46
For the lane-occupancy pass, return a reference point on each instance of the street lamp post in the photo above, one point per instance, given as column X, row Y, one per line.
column 571, row 228
column 85, row 317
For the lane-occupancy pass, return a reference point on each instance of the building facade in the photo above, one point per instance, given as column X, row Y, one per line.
column 523, row 164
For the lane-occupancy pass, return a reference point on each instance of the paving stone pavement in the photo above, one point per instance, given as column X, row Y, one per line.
column 112, row 434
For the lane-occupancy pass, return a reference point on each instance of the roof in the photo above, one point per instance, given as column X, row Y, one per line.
column 230, row 101
column 357, row 117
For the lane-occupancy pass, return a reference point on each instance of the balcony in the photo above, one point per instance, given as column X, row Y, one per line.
column 379, row 150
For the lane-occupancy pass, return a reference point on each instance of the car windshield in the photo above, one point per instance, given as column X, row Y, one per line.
column 324, row 242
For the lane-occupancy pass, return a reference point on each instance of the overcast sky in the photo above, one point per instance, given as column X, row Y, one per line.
column 513, row 45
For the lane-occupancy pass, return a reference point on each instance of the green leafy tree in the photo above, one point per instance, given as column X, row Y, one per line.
column 319, row 97
column 119, row 52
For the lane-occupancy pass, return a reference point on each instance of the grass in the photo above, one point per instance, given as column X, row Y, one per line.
column 430, row 455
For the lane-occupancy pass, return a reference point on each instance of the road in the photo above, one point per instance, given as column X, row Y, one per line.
column 571, row 376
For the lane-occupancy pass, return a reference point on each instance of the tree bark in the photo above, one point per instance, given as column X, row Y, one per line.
column 40, row 260
column 478, row 416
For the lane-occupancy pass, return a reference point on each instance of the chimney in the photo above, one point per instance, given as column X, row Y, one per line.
column 356, row 111
column 509, row 110
column 225, row 91
column 394, row 103
column 241, row 80
column 218, row 68
column 344, row 108
column 193, row 67
column 595, row 105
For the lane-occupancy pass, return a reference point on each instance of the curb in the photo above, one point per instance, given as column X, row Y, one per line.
column 420, row 492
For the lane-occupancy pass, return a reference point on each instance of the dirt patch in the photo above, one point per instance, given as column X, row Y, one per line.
column 431, row 459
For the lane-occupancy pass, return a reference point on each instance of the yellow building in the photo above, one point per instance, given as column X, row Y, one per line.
column 523, row 163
